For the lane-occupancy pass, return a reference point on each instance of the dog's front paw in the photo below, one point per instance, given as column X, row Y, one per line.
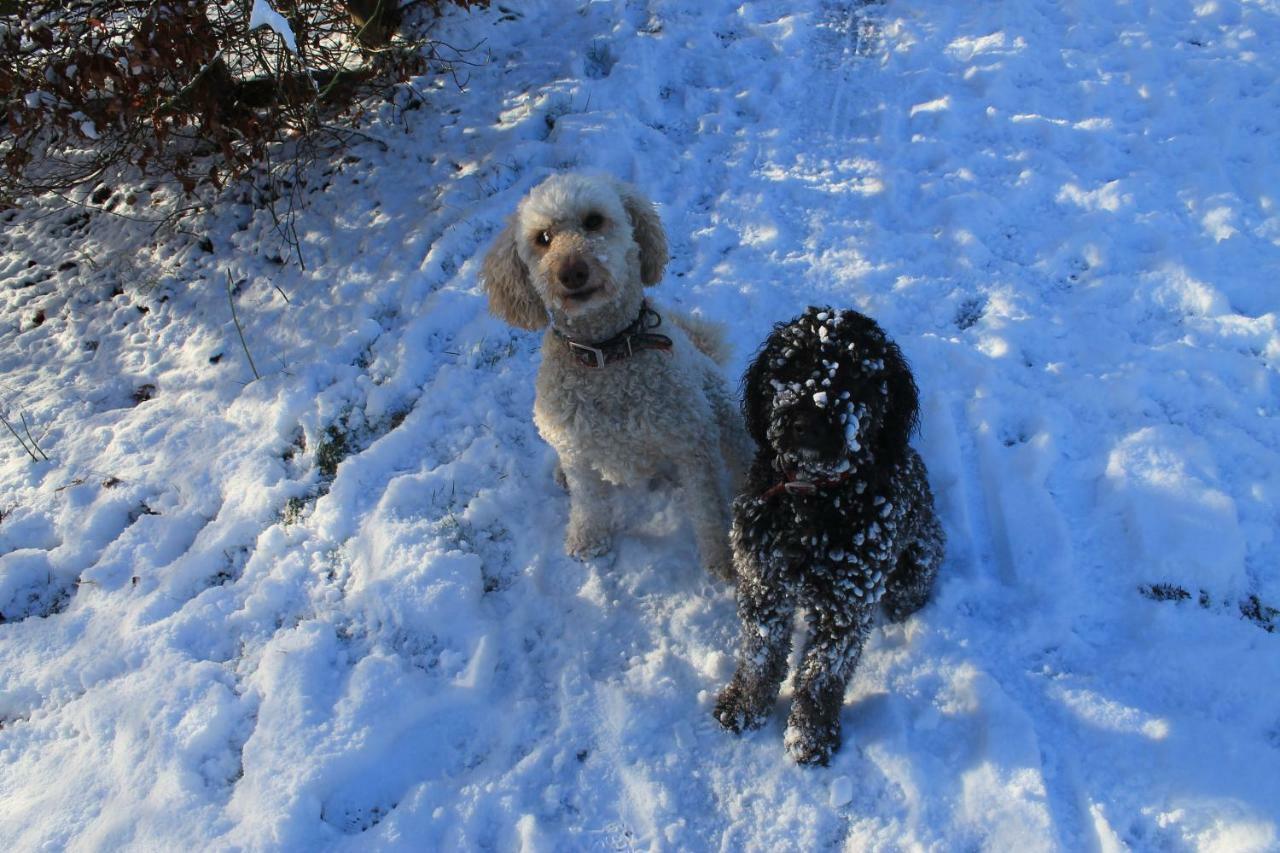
column 584, row 543
column 737, row 709
column 809, row 740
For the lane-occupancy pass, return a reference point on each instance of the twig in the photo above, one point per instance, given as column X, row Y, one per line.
column 335, row 130
column 5, row 420
column 236, row 319
column 286, row 227
column 27, row 429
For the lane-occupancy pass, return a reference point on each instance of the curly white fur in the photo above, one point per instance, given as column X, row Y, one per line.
column 578, row 253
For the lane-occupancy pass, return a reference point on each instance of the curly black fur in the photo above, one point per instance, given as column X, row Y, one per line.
column 831, row 404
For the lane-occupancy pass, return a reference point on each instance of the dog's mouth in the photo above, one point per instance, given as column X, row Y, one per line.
column 808, row 462
column 811, row 447
column 581, row 296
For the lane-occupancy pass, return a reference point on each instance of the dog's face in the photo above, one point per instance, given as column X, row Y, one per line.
column 576, row 244
column 827, row 391
column 575, row 238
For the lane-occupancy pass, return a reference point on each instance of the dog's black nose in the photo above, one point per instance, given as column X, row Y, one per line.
column 573, row 273
column 814, row 431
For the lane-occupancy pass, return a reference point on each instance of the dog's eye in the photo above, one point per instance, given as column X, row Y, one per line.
column 593, row 221
column 543, row 238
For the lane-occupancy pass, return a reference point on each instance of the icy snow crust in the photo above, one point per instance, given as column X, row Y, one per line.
column 1066, row 215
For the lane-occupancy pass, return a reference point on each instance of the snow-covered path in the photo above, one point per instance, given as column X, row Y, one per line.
column 330, row 608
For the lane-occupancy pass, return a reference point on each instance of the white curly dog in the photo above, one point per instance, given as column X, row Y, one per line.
column 622, row 394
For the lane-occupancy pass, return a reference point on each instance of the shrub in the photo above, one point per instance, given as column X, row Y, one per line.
column 185, row 88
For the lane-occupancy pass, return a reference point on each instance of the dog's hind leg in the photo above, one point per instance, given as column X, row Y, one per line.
column 835, row 645
column 708, row 507
column 736, row 446
column 908, row 586
column 765, row 610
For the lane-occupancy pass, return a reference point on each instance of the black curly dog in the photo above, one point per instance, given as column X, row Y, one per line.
column 837, row 518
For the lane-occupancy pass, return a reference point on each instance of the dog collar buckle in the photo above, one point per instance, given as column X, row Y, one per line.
column 582, row 350
column 799, row 487
column 625, row 344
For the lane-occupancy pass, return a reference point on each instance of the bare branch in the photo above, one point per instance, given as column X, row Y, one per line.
column 9, row 426
column 236, row 319
column 27, row 429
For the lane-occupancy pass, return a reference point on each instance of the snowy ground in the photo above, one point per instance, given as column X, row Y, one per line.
column 330, row 608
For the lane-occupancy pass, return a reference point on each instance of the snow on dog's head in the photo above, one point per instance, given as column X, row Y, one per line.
column 577, row 244
column 830, row 392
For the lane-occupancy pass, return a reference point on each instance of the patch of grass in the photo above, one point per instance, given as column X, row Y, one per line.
column 599, row 60
column 296, row 446
column 1164, row 592
column 332, row 449
column 295, row 507
column 1252, row 608
column 51, row 599
column 1264, row 616
column 970, row 312
column 337, row 443
column 397, row 417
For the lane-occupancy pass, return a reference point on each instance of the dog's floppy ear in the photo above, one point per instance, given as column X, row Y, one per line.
column 903, row 405
column 755, row 399
column 506, row 280
column 649, row 235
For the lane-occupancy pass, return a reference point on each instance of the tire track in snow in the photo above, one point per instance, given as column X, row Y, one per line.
column 849, row 46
